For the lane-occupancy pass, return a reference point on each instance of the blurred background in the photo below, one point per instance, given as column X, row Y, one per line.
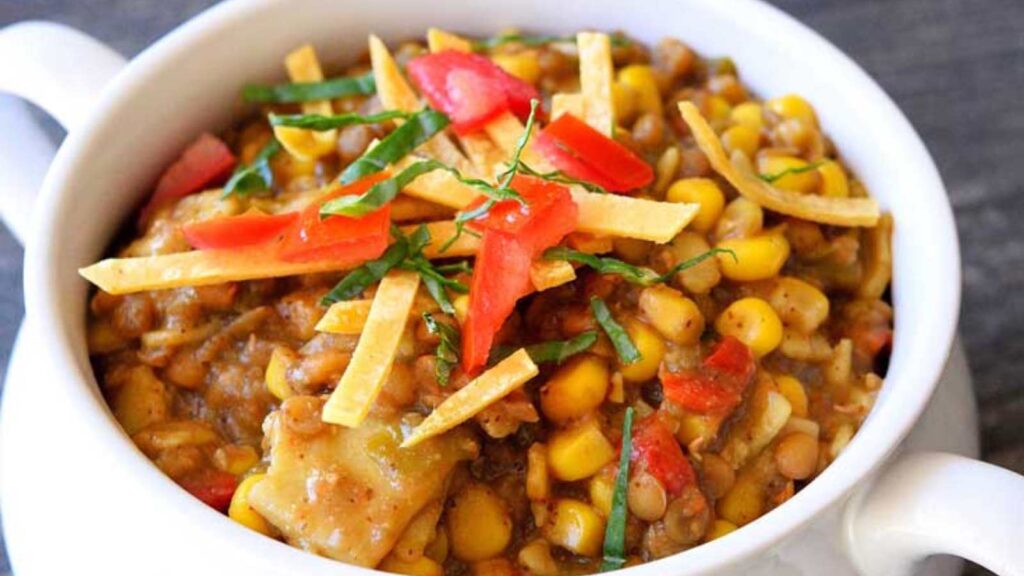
column 955, row 67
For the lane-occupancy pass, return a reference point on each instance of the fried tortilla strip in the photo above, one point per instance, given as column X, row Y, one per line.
column 374, row 354
column 204, row 267
column 563, row 103
column 596, row 80
column 303, row 66
column 486, row 389
column 346, row 317
column 739, row 173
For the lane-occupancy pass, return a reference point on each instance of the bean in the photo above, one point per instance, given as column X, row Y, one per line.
column 796, row 456
column 646, row 497
column 687, row 517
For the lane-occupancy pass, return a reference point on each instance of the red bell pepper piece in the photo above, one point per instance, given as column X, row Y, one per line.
column 338, row 238
column 238, row 231
column 213, row 487
column 618, row 166
column 718, row 385
column 205, row 162
column 564, row 160
column 513, row 236
column 469, row 88
column 656, row 450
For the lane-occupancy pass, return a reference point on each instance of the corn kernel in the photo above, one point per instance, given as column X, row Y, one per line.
column 677, row 317
column 774, row 166
column 699, row 279
column 575, row 389
column 576, row 527
column 287, row 167
column 461, row 305
column 757, row 258
column 717, row 109
column 640, row 77
column 695, row 426
column 793, row 391
column 479, row 526
column 631, row 249
column 422, row 566
column 538, row 485
column 235, row 459
column 652, row 349
column 748, row 114
column 741, row 218
column 624, row 101
column 437, row 549
column 276, row 376
column 743, row 138
column 578, row 452
column 102, row 338
column 601, row 488
column 703, row 192
column 753, row 322
column 793, row 106
column 522, row 65
column 536, row 558
column 744, row 502
column 834, row 183
column 720, row 528
column 800, row 305
column 240, row 511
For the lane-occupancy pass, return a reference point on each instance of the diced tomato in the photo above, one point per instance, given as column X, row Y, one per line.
column 501, row 276
column 469, row 88
column 513, row 236
column 206, row 162
column 238, row 231
column 620, row 168
column 565, row 161
column 718, row 385
column 338, row 238
column 656, row 450
column 213, row 487
column 870, row 339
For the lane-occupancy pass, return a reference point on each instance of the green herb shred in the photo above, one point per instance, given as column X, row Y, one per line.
column 421, row 127
column 772, row 178
column 553, row 352
column 358, row 280
column 624, row 347
column 634, row 274
column 311, row 91
column 321, row 123
column 255, row 177
column 615, row 531
column 379, row 194
column 447, row 353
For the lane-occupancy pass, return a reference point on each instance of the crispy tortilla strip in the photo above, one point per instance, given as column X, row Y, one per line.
column 347, row 317
column 408, row 209
column 486, row 389
column 563, row 103
column 303, row 66
column 438, row 41
column 204, row 267
column 374, row 354
column 596, row 80
column 395, row 93
column 626, row 217
column 438, row 187
column 505, row 131
column 837, row 211
column 545, row 274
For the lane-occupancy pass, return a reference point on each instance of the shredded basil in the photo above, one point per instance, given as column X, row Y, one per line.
column 321, row 123
column 447, row 353
column 311, row 91
column 553, row 352
column 405, row 253
column 635, row 274
column 421, row 126
column 496, row 41
column 615, row 531
column 255, row 177
column 379, row 194
column 772, row 178
column 559, row 177
column 624, row 347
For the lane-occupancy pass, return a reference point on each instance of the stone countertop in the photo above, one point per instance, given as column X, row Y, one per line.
column 955, row 67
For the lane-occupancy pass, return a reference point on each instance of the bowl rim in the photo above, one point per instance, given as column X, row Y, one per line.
column 871, row 447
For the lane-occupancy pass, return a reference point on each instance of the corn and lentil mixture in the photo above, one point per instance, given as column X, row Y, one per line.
column 745, row 372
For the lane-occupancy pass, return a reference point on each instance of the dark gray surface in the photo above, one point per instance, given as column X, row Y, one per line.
column 955, row 67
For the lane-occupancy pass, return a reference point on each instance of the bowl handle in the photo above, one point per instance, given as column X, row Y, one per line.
column 936, row 503
column 61, row 70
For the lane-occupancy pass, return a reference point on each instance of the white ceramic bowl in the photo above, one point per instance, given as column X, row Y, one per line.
column 121, row 137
